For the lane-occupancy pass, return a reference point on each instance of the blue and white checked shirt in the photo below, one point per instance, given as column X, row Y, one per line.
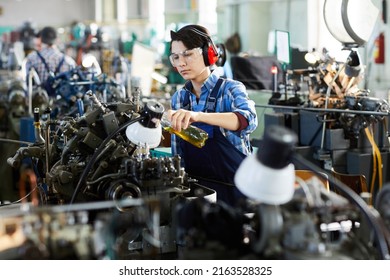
column 52, row 56
column 232, row 97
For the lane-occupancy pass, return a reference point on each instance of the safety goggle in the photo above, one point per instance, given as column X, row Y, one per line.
column 188, row 55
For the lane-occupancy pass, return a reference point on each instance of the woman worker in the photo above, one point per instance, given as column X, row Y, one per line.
column 219, row 106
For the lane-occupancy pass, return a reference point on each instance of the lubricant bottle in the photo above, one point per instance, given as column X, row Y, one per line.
column 192, row 134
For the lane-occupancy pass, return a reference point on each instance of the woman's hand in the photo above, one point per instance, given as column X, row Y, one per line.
column 181, row 119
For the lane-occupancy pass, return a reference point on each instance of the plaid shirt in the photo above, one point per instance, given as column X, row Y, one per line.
column 53, row 57
column 232, row 97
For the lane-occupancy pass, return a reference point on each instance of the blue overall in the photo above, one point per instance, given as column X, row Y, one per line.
column 215, row 164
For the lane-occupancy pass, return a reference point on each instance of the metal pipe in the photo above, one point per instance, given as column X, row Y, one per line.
column 47, row 146
column 30, row 88
column 356, row 112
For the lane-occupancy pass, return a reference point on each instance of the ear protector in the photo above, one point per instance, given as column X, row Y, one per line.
column 210, row 52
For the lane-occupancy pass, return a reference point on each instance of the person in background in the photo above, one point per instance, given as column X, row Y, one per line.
column 219, row 106
column 26, row 36
column 48, row 58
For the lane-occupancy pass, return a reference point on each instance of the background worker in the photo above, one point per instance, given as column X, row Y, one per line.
column 48, row 58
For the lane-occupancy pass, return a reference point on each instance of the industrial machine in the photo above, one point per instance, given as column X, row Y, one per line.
column 95, row 158
column 341, row 125
column 89, row 187
column 284, row 217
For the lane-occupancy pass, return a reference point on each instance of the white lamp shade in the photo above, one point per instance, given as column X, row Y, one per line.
column 350, row 22
column 90, row 62
column 139, row 134
column 265, row 184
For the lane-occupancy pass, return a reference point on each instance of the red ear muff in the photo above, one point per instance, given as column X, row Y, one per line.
column 212, row 56
column 210, row 52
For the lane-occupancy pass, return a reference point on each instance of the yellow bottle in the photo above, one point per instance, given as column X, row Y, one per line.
column 192, row 134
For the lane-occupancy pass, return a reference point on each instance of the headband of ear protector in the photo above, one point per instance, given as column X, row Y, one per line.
column 210, row 52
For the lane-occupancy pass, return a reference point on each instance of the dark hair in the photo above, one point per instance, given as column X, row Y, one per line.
column 190, row 37
column 48, row 35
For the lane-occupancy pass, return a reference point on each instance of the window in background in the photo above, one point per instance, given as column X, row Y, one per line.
column 208, row 15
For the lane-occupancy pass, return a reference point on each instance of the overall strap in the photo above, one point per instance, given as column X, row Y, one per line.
column 43, row 61
column 212, row 99
column 47, row 66
column 186, row 102
column 59, row 65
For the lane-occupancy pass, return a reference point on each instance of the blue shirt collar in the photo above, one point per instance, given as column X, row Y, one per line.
column 207, row 86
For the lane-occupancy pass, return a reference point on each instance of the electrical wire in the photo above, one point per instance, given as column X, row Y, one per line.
column 374, row 163
column 29, row 175
column 20, row 199
column 12, row 141
column 377, row 163
column 380, row 164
